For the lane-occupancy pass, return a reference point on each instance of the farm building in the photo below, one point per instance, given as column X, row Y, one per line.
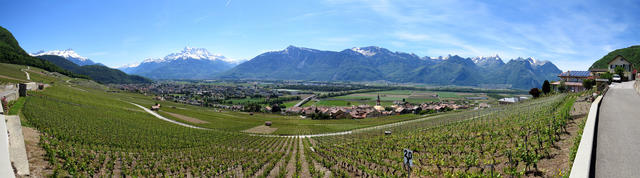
column 573, row 80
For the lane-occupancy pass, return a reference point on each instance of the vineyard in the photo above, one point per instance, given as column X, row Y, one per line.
column 87, row 132
column 506, row 141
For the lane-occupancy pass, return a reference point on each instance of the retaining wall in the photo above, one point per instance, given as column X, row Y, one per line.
column 581, row 167
column 5, row 165
column 9, row 91
column 17, row 149
column 636, row 85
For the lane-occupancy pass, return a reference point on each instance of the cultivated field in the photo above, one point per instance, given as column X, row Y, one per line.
column 86, row 131
column 388, row 97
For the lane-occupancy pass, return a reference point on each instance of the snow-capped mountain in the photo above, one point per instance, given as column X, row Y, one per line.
column 364, row 52
column 488, row 61
column 375, row 64
column 68, row 54
column 190, row 63
column 533, row 62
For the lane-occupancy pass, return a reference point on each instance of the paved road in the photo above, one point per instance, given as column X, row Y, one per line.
column 307, row 99
column 168, row 120
column 618, row 139
column 28, row 77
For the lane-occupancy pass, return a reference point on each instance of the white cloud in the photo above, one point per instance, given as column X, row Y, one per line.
column 570, row 32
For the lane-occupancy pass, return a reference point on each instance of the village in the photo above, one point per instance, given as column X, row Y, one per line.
column 367, row 111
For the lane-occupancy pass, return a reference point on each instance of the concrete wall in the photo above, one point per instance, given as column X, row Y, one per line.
column 17, row 149
column 5, row 165
column 32, row 86
column 9, row 91
column 636, row 85
column 582, row 163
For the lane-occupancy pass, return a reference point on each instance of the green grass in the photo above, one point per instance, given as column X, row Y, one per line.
column 448, row 95
column 11, row 73
column 386, row 97
column 289, row 104
column 245, row 100
column 398, row 92
column 16, row 106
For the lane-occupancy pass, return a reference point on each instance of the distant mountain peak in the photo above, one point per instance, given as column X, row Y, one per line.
column 194, row 53
column 486, row 59
column 532, row 61
column 68, row 53
column 364, row 51
column 296, row 48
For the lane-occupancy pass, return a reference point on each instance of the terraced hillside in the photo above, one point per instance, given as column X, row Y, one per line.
column 89, row 130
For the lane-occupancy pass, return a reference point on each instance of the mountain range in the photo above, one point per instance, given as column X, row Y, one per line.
column 12, row 53
column 298, row 63
column 190, row 63
column 379, row 64
column 68, row 54
column 96, row 72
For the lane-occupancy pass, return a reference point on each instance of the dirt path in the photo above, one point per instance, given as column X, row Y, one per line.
column 275, row 147
column 186, row 118
column 38, row 165
column 318, row 166
column 303, row 159
column 261, row 129
column 276, row 169
column 291, row 166
column 168, row 120
column 11, row 78
column 27, row 73
column 559, row 161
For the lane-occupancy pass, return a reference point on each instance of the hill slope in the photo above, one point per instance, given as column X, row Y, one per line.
column 631, row 53
column 99, row 73
column 11, row 52
column 376, row 63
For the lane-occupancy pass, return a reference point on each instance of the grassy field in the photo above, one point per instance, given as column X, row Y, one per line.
column 388, row 97
column 16, row 106
column 86, row 97
column 238, row 121
column 11, row 73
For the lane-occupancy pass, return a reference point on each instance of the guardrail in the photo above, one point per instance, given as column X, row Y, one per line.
column 585, row 157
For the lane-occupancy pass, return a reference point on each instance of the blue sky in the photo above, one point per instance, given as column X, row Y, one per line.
column 571, row 34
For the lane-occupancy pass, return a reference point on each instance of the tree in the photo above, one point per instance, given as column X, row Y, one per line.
column 546, row 87
column 620, row 71
column 588, row 83
column 275, row 108
column 606, row 75
column 252, row 107
column 535, row 92
column 562, row 88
